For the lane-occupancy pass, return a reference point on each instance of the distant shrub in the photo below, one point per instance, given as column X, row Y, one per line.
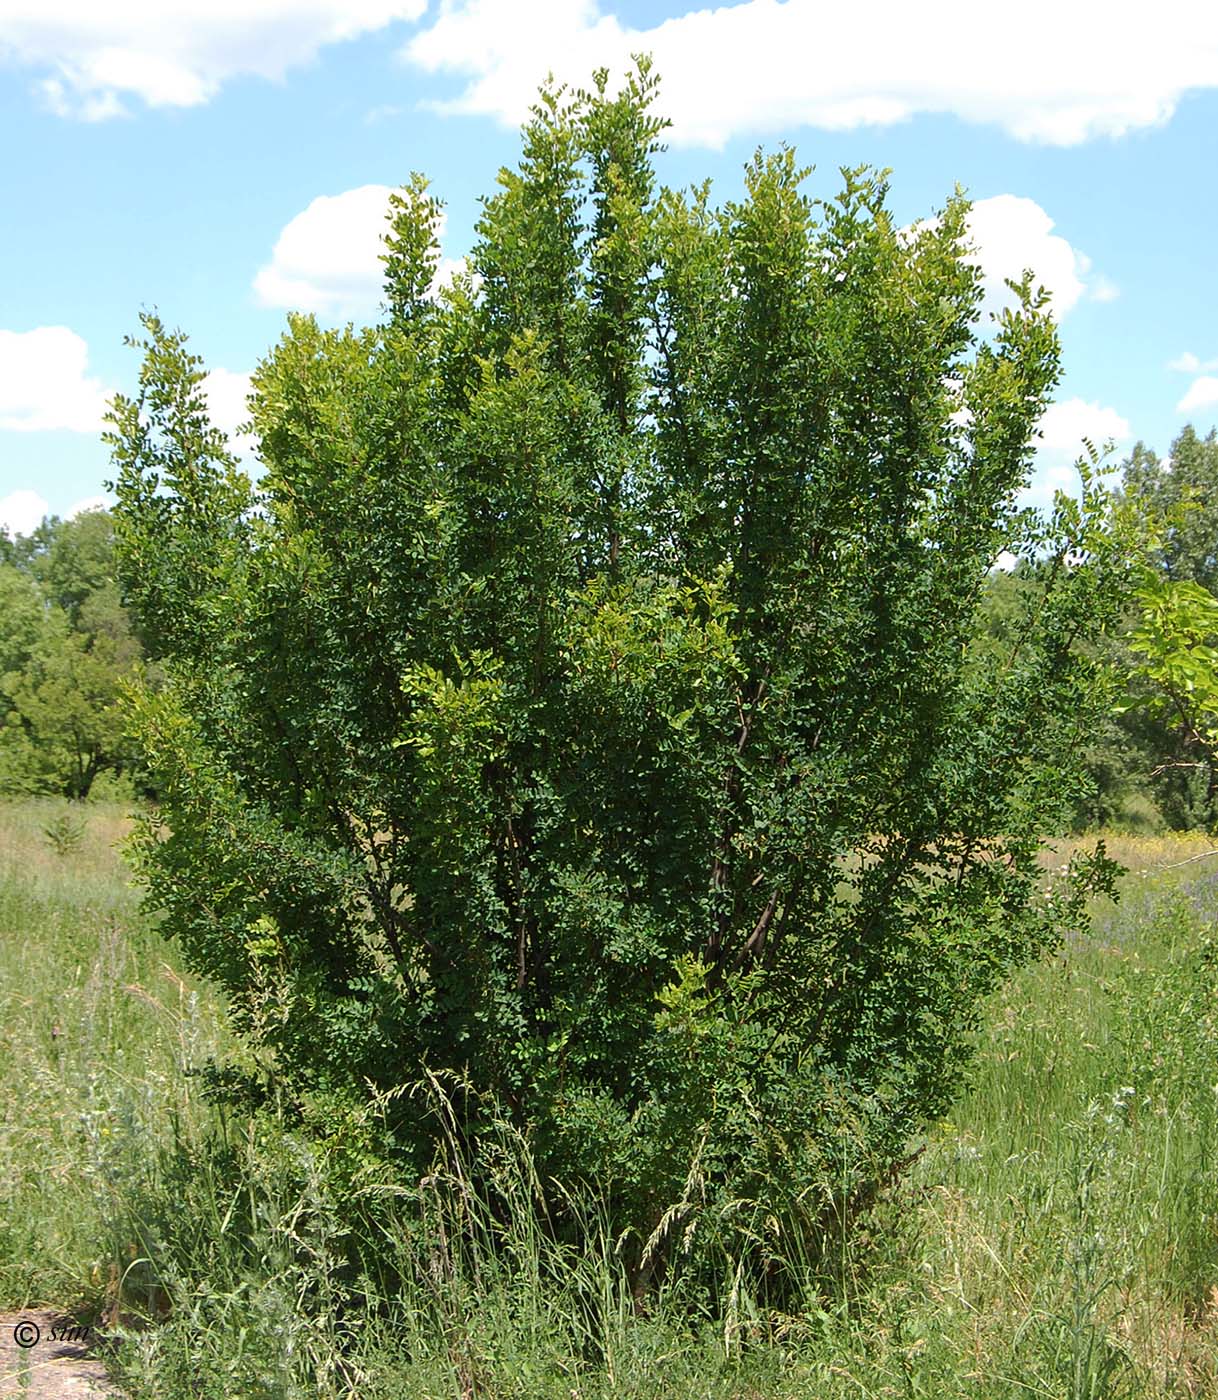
column 65, row 833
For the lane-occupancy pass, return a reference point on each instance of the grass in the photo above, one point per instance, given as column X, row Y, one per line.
column 1057, row 1238
column 1068, row 1222
column 98, row 1026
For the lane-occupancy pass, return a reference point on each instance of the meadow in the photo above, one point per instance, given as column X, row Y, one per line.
column 1056, row 1237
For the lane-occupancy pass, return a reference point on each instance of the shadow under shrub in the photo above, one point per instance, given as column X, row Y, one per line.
column 588, row 705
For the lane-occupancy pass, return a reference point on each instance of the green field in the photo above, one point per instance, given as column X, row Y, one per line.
column 1058, row 1237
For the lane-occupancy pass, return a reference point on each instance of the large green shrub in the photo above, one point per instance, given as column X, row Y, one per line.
column 583, row 707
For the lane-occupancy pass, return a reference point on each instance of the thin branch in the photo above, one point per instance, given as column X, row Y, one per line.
column 1175, row 763
column 1175, row 865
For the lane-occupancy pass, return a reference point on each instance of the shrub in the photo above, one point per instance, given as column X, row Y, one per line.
column 585, row 705
column 65, row 833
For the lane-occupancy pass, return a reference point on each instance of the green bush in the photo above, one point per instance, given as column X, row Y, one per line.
column 585, row 706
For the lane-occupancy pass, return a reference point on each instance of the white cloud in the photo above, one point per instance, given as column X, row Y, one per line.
column 21, row 512
column 448, row 269
column 1188, row 363
column 1059, row 72
column 327, row 259
column 1011, row 233
column 91, row 58
column 1062, row 72
column 1202, row 393
column 227, row 391
column 1103, row 289
column 89, row 503
column 1063, row 426
column 44, row 384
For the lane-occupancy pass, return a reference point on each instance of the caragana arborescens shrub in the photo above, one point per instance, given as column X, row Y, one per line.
column 586, row 706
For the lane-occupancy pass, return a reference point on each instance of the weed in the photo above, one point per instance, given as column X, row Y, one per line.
column 65, row 833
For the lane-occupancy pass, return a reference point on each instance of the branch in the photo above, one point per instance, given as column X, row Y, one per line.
column 756, row 940
column 1177, row 864
column 720, row 864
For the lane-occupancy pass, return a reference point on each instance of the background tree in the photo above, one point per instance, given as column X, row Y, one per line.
column 1176, row 640
column 586, row 707
column 23, row 622
column 1146, row 762
column 66, row 650
column 1182, row 492
column 1118, row 749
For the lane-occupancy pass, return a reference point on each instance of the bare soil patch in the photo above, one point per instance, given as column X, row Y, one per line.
column 46, row 1356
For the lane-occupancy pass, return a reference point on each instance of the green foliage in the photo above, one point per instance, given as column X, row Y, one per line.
column 66, row 651
column 67, row 701
column 1150, row 755
column 1178, row 638
column 22, row 619
column 1174, row 684
column 588, row 704
column 75, row 562
column 1182, row 492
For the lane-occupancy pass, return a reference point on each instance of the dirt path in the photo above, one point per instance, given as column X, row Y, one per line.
column 44, row 1356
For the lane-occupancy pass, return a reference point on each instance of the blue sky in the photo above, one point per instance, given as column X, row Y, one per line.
column 226, row 161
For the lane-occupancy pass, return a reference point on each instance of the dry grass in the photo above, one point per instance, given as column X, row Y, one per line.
column 92, row 869
column 1138, row 854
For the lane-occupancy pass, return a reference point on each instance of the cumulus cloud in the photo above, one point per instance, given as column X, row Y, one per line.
column 327, row 259
column 227, row 391
column 1068, row 72
column 45, row 384
column 1063, row 427
column 91, row 60
column 1202, row 393
column 1188, row 363
column 89, row 503
column 21, row 512
column 1010, row 233
column 745, row 68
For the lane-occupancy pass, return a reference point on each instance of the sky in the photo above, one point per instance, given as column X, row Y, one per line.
column 226, row 161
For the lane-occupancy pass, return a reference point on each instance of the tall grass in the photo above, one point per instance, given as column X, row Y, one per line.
column 1057, row 1237
column 98, row 1028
